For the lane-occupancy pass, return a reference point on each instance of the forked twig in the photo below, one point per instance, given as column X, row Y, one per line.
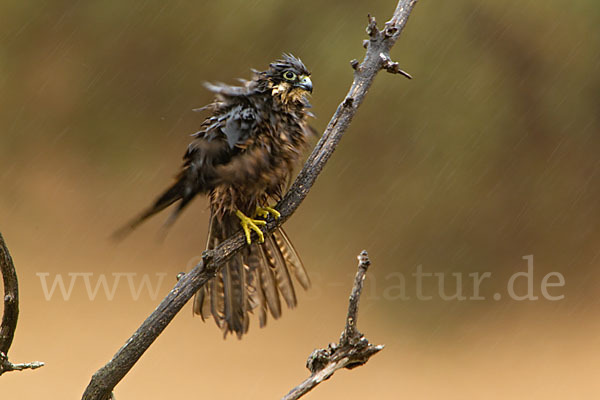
column 353, row 349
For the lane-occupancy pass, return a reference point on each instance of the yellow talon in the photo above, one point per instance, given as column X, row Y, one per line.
column 265, row 211
column 249, row 223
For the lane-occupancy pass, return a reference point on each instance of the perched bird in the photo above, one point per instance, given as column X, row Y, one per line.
column 243, row 158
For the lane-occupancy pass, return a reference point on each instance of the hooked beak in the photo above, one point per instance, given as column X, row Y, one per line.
column 306, row 84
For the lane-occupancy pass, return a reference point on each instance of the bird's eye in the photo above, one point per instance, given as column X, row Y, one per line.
column 289, row 75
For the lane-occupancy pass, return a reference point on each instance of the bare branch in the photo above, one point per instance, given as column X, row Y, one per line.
column 106, row 378
column 11, row 312
column 353, row 349
column 6, row 366
column 351, row 332
column 11, row 298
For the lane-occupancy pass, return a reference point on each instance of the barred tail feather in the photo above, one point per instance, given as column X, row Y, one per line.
column 281, row 271
column 253, row 281
column 267, row 282
column 291, row 257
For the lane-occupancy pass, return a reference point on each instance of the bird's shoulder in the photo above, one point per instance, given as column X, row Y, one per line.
column 241, row 116
column 234, row 119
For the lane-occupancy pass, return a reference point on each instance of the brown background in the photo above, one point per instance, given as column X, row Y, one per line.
column 488, row 155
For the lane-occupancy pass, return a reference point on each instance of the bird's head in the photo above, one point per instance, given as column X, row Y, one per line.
column 288, row 79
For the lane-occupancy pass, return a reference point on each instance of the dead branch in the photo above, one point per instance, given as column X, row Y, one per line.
column 11, row 298
column 380, row 42
column 353, row 349
column 11, row 312
column 6, row 366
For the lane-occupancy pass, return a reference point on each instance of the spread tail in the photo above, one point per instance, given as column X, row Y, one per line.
column 252, row 281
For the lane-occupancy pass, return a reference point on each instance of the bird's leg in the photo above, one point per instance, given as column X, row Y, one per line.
column 249, row 223
column 265, row 211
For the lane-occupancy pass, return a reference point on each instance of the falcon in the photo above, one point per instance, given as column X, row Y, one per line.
column 243, row 158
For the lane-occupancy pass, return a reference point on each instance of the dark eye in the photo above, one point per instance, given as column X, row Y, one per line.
column 289, row 75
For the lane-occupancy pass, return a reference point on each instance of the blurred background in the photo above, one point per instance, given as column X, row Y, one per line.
column 491, row 153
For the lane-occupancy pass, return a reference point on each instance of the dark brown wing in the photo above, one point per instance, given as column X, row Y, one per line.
column 232, row 123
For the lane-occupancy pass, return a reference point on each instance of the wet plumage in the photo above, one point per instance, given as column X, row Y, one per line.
column 243, row 157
